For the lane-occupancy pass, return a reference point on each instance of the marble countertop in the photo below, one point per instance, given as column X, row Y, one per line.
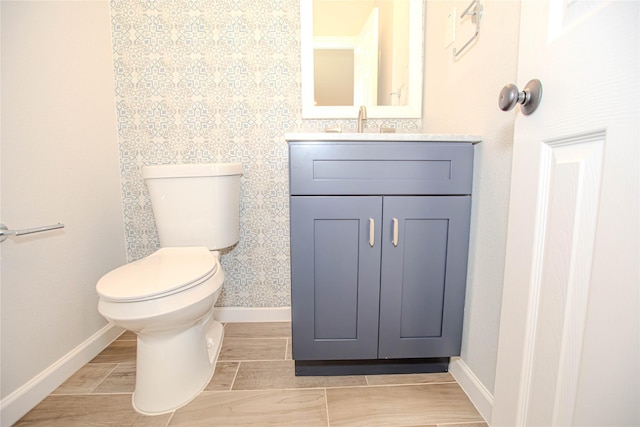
column 377, row 137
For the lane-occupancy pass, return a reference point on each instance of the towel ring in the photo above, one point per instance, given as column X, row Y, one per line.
column 476, row 14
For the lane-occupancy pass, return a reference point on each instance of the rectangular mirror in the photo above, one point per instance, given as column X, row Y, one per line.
column 362, row 52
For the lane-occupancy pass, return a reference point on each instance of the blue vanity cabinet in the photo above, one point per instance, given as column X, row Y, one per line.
column 423, row 276
column 335, row 275
column 379, row 243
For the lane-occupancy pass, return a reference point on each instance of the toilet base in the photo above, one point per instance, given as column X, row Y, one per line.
column 173, row 368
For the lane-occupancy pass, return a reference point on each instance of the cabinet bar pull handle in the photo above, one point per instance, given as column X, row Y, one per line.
column 395, row 232
column 371, row 232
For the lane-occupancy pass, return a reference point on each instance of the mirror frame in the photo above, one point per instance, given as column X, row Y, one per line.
column 413, row 109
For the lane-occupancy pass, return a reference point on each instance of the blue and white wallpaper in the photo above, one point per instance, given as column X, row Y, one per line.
column 215, row 81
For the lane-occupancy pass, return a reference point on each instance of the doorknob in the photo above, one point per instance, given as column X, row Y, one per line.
column 529, row 98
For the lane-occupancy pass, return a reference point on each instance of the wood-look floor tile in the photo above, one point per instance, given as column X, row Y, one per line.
column 254, row 408
column 85, row 379
column 127, row 336
column 223, row 376
column 440, row 377
column 280, row 374
column 258, row 330
column 121, row 380
column 253, row 349
column 257, row 357
column 89, row 410
column 405, row 405
column 117, row 352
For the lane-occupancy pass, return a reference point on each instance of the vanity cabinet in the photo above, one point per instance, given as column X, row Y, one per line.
column 379, row 243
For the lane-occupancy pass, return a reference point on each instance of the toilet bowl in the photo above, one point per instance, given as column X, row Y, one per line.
column 167, row 299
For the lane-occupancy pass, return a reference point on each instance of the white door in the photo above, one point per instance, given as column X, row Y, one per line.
column 365, row 62
column 569, row 335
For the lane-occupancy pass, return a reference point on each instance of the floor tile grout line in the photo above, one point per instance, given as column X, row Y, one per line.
column 286, row 347
column 111, row 393
column 393, row 385
column 98, row 363
column 326, row 406
column 254, row 360
column 171, row 417
column 104, row 378
column 448, row 423
column 461, row 423
column 324, row 387
column 257, row 338
column 233, row 382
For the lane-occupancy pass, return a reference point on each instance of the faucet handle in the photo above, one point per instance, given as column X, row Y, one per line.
column 336, row 129
column 362, row 117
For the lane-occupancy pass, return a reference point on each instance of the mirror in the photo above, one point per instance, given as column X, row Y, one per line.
column 362, row 52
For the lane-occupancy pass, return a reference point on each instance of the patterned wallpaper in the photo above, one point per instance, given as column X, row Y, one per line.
column 215, row 81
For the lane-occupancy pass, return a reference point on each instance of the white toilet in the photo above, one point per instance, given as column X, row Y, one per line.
column 167, row 298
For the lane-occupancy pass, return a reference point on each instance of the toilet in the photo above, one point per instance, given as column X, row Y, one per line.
column 167, row 298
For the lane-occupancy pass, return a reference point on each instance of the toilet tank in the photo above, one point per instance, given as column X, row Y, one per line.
column 195, row 204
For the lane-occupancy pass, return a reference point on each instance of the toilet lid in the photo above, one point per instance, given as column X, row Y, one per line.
column 162, row 272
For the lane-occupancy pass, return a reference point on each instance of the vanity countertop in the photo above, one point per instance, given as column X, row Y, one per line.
column 378, row 137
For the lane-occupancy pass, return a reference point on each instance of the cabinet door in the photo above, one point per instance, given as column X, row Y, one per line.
column 423, row 277
column 335, row 277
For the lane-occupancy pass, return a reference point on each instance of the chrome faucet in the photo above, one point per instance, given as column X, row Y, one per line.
column 362, row 117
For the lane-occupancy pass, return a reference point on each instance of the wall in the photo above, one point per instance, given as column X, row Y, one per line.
column 461, row 96
column 59, row 163
column 206, row 81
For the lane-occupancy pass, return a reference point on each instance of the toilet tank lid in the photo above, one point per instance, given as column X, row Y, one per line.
column 191, row 170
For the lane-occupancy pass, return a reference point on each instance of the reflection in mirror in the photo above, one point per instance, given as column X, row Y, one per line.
column 362, row 52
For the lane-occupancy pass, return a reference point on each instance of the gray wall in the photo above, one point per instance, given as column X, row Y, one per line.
column 461, row 96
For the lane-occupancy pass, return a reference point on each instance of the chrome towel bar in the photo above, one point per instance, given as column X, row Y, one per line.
column 5, row 232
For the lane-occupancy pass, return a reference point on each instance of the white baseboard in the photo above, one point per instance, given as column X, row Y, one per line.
column 21, row 401
column 252, row 314
column 479, row 395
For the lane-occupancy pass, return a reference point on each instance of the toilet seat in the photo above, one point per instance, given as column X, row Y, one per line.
column 163, row 273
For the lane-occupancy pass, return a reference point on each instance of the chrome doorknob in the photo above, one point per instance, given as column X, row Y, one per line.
column 529, row 98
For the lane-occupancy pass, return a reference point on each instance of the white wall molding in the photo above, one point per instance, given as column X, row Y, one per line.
column 479, row 395
column 25, row 398
column 252, row 314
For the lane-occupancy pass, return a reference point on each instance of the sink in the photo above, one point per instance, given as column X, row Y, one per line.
column 369, row 137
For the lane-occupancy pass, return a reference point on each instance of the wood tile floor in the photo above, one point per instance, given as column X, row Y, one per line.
column 254, row 385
